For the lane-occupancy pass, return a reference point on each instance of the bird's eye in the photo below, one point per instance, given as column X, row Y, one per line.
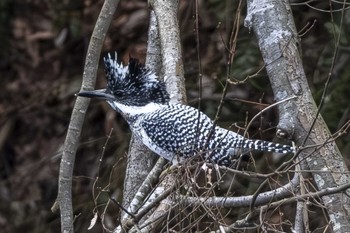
column 118, row 93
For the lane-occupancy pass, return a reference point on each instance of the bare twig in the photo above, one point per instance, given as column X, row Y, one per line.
column 264, row 110
column 301, row 207
column 318, row 194
column 146, row 187
column 326, row 85
column 163, row 205
column 245, row 201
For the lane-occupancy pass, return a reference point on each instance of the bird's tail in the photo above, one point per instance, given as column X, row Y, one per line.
column 261, row 145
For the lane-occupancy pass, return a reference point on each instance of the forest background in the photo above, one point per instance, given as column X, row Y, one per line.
column 42, row 50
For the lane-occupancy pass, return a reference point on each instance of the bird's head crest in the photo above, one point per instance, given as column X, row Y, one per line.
column 133, row 84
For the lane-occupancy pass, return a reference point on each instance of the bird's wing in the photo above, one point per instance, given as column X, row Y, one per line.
column 175, row 130
column 182, row 131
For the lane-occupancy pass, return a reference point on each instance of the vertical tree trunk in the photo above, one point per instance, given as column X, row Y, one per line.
column 164, row 57
column 140, row 158
column 273, row 25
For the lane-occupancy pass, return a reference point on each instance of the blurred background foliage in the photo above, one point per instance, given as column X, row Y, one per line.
column 42, row 49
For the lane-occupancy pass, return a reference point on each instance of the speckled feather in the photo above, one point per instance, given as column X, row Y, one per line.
column 133, row 84
column 172, row 130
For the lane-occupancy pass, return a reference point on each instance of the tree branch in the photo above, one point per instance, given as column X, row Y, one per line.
column 71, row 143
column 169, row 33
column 172, row 68
column 301, row 208
column 285, row 191
column 140, row 158
column 173, row 73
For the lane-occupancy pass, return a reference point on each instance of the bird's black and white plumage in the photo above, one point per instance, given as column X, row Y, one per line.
column 171, row 130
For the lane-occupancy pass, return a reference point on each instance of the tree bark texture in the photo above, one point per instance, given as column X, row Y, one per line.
column 273, row 25
column 77, row 119
column 165, row 59
column 173, row 73
column 140, row 158
column 169, row 33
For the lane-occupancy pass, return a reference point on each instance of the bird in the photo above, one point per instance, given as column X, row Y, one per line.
column 174, row 131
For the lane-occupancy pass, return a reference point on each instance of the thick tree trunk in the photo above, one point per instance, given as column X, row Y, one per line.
column 273, row 24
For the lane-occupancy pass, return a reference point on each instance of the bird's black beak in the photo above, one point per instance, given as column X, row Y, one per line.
column 99, row 94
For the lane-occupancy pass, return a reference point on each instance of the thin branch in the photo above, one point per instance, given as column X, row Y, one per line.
column 162, row 203
column 147, row 186
column 324, row 192
column 265, row 109
column 329, row 78
column 245, row 201
column 300, row 210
